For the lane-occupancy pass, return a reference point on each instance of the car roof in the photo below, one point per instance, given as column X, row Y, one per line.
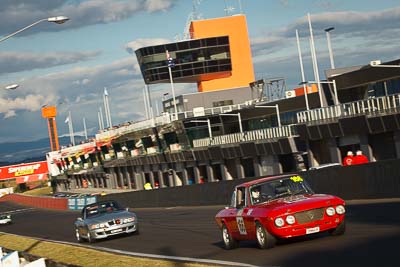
column 264, row 179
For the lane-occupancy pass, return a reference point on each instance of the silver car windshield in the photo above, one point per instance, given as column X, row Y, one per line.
column 101, row 208
column 288, row 186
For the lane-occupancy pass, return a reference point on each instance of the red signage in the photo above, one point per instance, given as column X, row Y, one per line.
column 25, row 169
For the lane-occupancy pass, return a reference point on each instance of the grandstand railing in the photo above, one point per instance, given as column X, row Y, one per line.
column 261, row 134
column 166, row 118
column 370, row 107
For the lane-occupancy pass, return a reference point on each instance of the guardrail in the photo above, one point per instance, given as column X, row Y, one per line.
column 369, row 107
column 261, row 134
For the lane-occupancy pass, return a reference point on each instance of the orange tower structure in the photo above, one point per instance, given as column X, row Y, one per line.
column 50, row 114
column 242, row 65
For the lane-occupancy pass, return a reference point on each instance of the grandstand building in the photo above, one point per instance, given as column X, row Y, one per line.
column 232, row 128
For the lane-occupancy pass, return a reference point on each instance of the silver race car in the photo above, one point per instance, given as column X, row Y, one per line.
column 103, row 219
column 5, row 219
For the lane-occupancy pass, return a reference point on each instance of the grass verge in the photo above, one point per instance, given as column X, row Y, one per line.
column 42, row 191
column 79, row 256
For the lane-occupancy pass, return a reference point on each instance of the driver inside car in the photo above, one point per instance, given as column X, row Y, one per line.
column 255, row 194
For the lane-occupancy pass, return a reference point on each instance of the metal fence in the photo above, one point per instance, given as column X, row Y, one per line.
column 370, row 107
column 261, row 134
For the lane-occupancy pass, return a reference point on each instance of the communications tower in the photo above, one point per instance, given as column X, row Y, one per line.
column 50, row 114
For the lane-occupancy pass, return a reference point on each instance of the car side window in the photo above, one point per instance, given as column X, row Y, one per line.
column 233, row 200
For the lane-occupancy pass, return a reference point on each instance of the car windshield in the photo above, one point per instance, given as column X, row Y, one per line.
column 101, row 208
column 288, row 186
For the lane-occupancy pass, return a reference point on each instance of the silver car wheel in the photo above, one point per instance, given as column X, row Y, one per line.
column 225, row 236
column 78, row 236
column 89, row 237
column 264, row 238
column 260, row 235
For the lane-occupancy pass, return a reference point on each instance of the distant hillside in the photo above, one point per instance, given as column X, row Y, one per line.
column 18, row 152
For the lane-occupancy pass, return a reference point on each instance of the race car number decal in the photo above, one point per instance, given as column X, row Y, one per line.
column 240, row 222
column 241, row 226
column 296, row 179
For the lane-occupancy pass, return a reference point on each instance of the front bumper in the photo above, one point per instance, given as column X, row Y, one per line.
column 294, row 230
column 114, row 230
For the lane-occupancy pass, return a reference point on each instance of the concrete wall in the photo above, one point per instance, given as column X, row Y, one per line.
column 368, row 181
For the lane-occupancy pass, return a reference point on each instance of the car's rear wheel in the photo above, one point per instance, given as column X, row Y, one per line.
column 229, row 242
column 78, row 235
column 339, row 230
column 264, row 238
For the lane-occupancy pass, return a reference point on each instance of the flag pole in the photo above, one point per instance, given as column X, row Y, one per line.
column 170, row 65
column 84, row 127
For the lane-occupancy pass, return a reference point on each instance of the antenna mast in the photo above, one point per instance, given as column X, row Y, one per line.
column 194, row 15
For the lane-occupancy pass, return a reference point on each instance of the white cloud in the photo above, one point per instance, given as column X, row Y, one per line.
column 21, row 61
column 82, row 13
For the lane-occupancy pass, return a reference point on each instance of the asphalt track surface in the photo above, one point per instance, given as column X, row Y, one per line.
column 371, row 239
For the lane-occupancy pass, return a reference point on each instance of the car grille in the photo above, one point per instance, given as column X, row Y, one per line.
column 309, row 215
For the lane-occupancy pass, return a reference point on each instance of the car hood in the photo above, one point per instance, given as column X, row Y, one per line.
column 110, row 216
column 301, row 202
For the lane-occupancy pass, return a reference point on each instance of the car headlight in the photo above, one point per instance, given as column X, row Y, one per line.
column 290, row 219
column 330, row 211
column 128, row 220
column 340, row 209
column 97, row 226
column 94, row 226
column 279, row 222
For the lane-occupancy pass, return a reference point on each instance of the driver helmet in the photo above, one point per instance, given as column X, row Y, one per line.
column 255, row 193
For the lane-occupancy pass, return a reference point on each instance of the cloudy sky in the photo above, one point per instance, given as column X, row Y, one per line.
column 68, row 65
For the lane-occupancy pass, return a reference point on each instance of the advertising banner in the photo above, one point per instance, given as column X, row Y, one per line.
column 24, row 170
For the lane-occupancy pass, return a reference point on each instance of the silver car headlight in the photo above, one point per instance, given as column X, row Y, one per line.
column 97, row 226
column 340, row 209
column 279, row 222
column 128, row 220
column 94, row 226
column 290, row 219
column 330, row 211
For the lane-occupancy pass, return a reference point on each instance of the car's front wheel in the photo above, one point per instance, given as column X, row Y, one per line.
column 264, row 238
column 89, row 237
column 340, row 229
column 78, row 235
column 229, row 242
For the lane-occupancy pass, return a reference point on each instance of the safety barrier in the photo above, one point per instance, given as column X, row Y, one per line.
column 366, row 181
column 35, row 201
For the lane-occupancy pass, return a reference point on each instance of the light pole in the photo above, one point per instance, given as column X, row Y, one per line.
column 58, row 20
column 239, row 119
column 314, row 60
column 303, row 79
column 333, row 82
column 328, row 38
column 276, row 107
column 12, row 86
column 208, row 124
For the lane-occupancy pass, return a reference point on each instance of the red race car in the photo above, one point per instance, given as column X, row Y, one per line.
column 278, row 207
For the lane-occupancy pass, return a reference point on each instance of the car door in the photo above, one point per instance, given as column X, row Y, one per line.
column 240, row 231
